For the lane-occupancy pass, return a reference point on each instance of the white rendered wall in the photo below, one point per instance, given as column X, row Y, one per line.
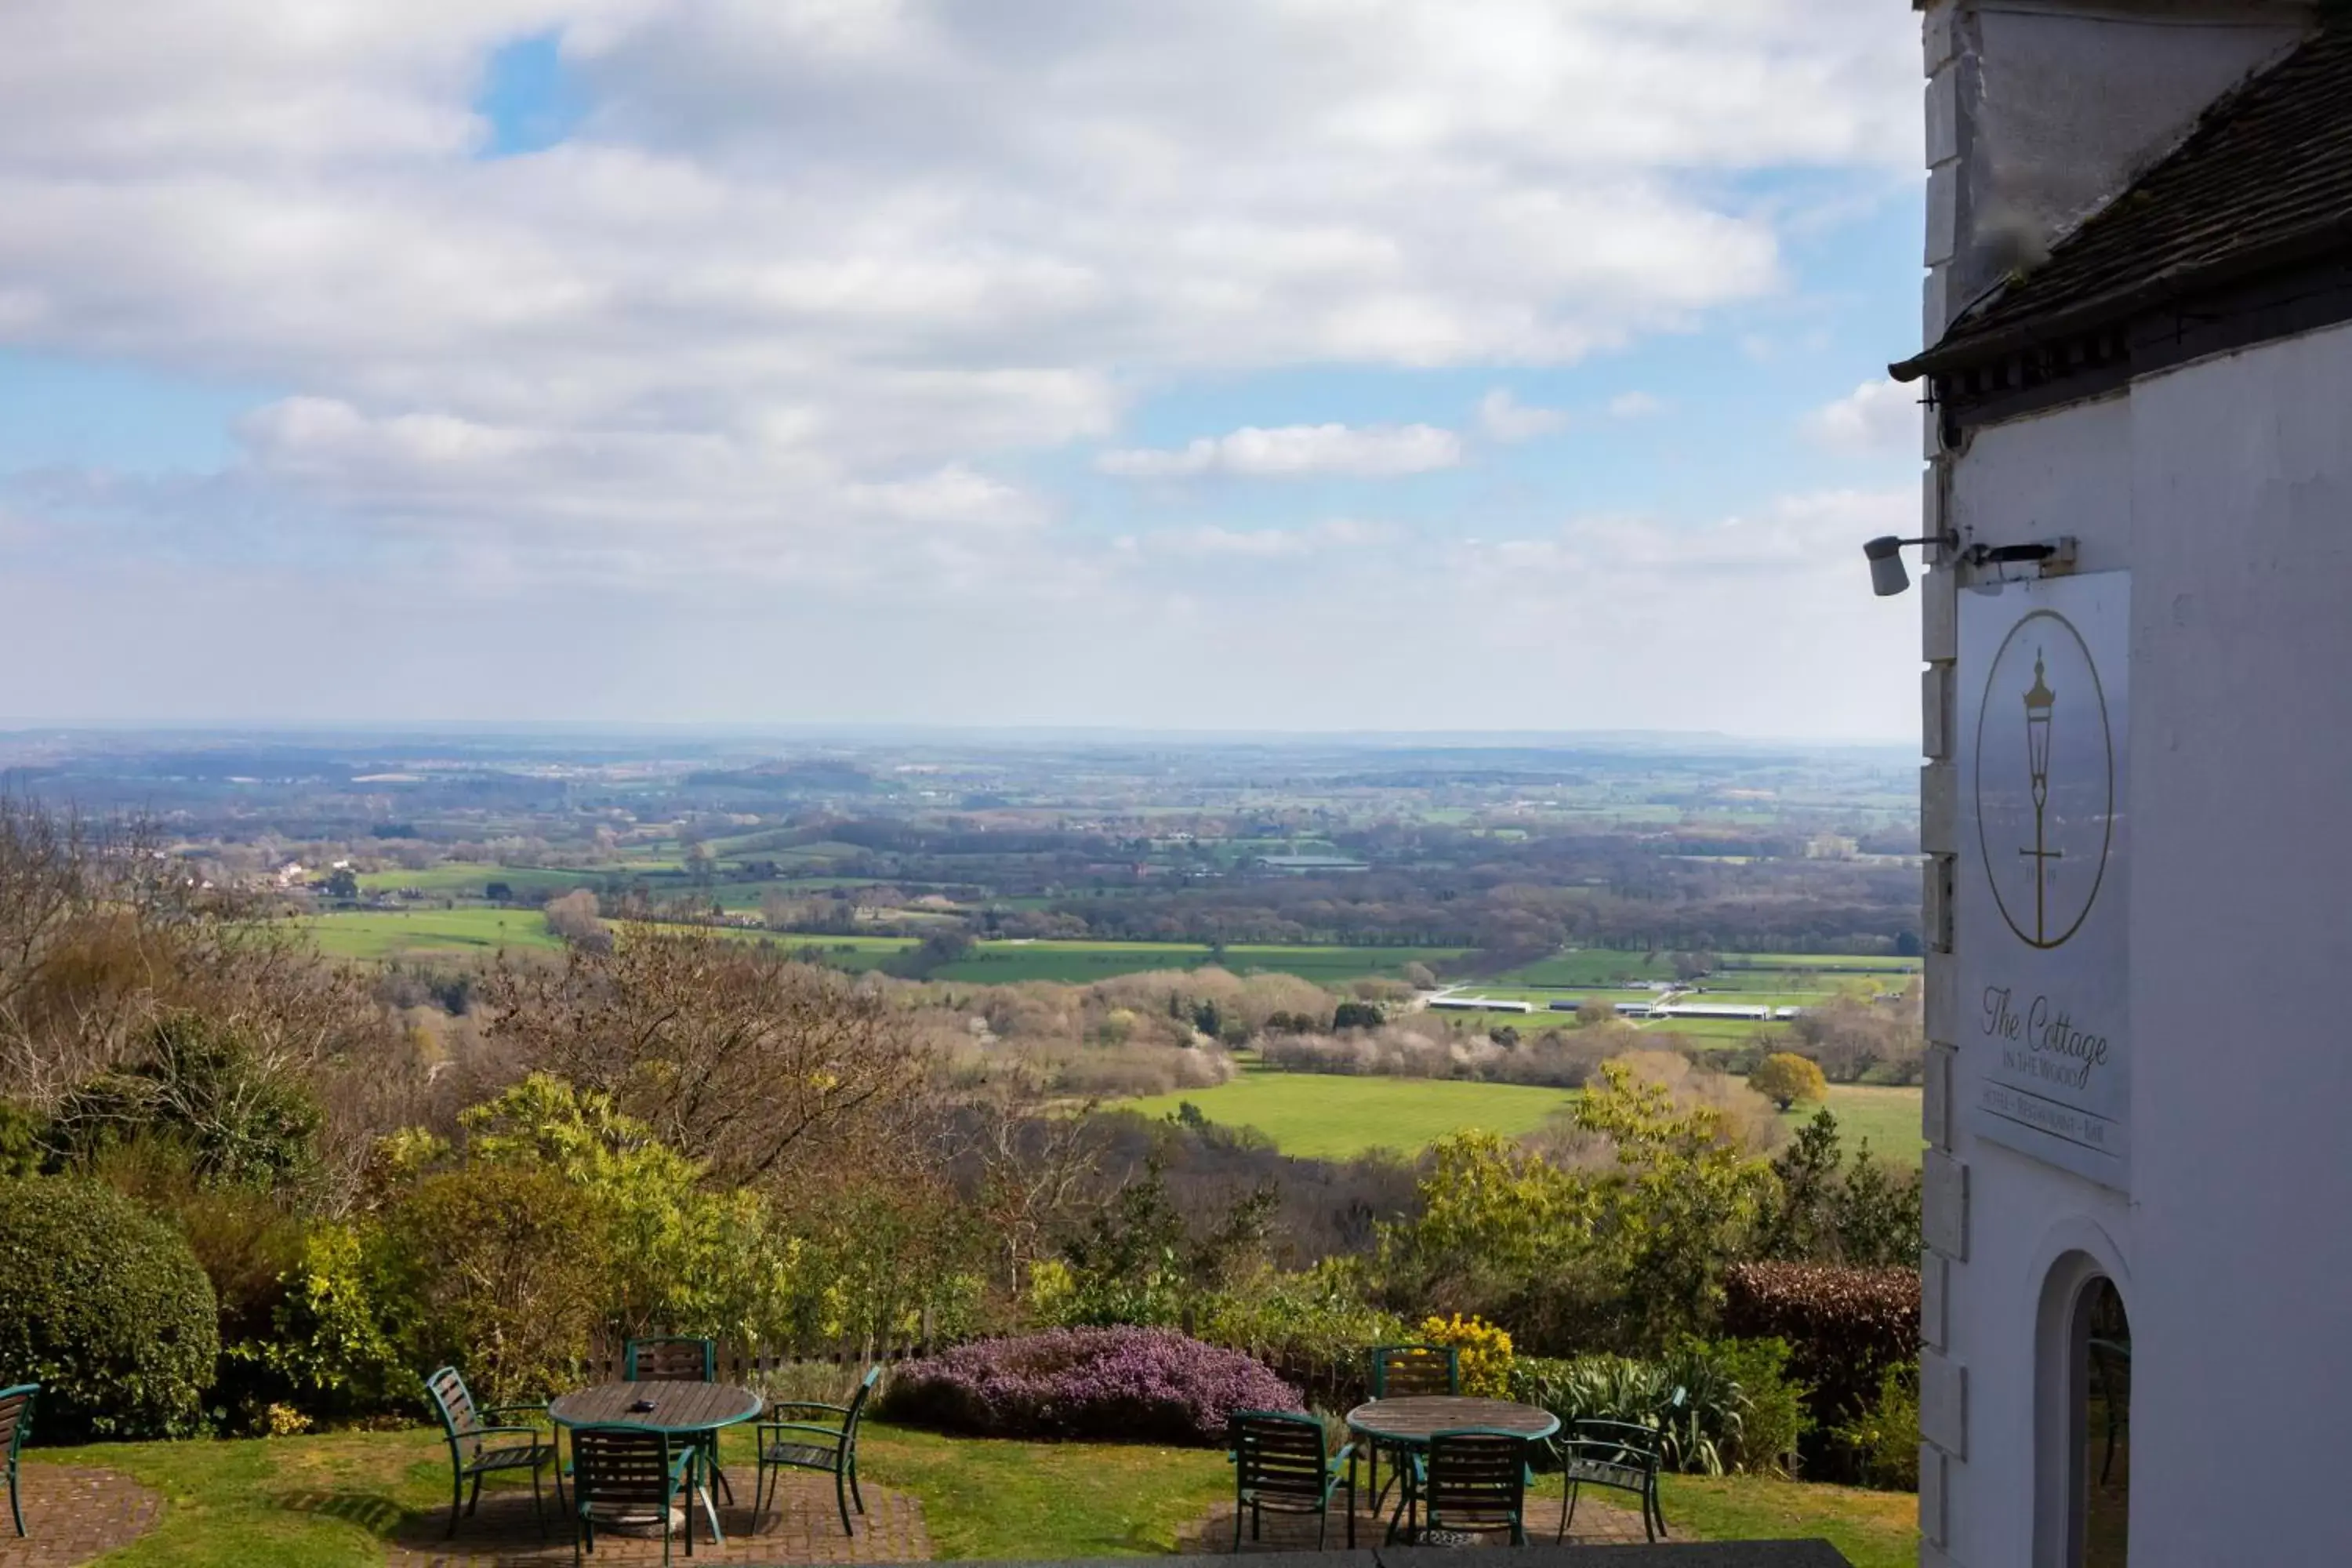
column 2225, row 490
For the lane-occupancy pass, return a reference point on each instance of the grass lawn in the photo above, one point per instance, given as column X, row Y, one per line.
column 328, row 1502
column 1325, row 1117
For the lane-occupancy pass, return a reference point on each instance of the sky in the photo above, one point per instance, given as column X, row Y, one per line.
column 1240, row 364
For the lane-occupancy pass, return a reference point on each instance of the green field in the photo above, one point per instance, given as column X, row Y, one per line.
column 1002, row 962
column 460, row 880
column 385, row 934
column 1889, row 1117
column 1322, row 1117
column 380, row 935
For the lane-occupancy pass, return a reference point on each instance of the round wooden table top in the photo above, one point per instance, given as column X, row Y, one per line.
column 676, row 1406
column 1414, row 1417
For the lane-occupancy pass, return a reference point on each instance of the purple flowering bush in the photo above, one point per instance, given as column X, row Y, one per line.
column 1137, row 1384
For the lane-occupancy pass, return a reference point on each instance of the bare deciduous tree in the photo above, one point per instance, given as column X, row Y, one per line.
column 730, row 1052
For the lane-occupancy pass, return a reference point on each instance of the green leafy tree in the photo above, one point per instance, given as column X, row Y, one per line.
column 1785, row 1078
column 504, row 1272
column 684, row 1255
column 1673, row 1214
column 1826, row 1208
column 197, row 1083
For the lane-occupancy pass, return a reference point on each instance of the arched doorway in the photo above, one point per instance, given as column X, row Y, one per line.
column 2084, row 1481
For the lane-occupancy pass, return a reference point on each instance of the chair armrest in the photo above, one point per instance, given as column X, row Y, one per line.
column 834, row 1433
column 1343, row 1455
column 500, row 1432
column 776, row 1410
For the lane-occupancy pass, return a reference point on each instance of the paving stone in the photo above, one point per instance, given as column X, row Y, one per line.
column 73, row 1514
column 802, row 1526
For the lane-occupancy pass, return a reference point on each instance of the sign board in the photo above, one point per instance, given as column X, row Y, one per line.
column 2039, row 928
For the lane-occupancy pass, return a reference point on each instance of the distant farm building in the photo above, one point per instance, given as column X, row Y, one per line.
column 1479, row 1005
column 1309, row 865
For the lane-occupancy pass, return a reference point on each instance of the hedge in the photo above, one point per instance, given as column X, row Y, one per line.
column 1135, row 1385
column 1844, row 1326
column 106, row 1307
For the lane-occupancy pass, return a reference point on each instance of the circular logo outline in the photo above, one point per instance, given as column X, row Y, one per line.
column 2106, row 741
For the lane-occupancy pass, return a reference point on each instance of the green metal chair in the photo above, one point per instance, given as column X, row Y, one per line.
column 670, row 1358
column 679, row 1358
column 1279, row 1464
column 1475, row 1480
column 1620, row 1455
column 623, row 1469
column 826, row 1442
column 15, row 1420
column 1402, row 1371
column 475, row 1450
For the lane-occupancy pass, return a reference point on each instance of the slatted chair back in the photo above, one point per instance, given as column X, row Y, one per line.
column 671, row 1359
column 1400, row 1372
column 16, row 1416
column 459, row 1419
column 623, row 1468
column 1279, row 1455
column 1477, row 1480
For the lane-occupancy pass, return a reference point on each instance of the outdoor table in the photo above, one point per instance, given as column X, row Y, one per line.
column 1410, row 1421
column 694, row 1411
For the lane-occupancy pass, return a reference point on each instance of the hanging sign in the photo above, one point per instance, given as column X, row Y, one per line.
column 2038, row 917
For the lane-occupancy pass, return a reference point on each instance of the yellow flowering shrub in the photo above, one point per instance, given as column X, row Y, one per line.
column 1481, row 1350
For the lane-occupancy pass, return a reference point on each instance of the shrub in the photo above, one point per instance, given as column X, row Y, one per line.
column 337, row 1334
column 1312, row 1328
column 1482, row 1353
column 1736, row 1408
column 1885, row 1440
column 200, row 1083
column 1771, row 1406
column 1140, row 1384
column 1844, row 1326
column 106, row 1308
column 507, row 1266
column 1694, row 1436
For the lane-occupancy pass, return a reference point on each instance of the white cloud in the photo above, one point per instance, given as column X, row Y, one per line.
column 1636, row 406
column 1295, row 452
column 1209, row 542
column 1506, row 419
column 814, row 281
column 1878, row 416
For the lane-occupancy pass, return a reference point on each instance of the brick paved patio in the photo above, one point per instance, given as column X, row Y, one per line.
column 1597, row 1524
column 801, row 1527
column 72, row 1515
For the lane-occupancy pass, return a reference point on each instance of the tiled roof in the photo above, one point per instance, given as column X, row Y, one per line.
column 2265, row 180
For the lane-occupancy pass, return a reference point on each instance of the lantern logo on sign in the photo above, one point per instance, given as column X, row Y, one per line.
column 2045, row 778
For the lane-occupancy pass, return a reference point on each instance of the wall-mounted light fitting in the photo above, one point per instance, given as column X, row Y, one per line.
column 1888, row 578
column 1888, row 575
